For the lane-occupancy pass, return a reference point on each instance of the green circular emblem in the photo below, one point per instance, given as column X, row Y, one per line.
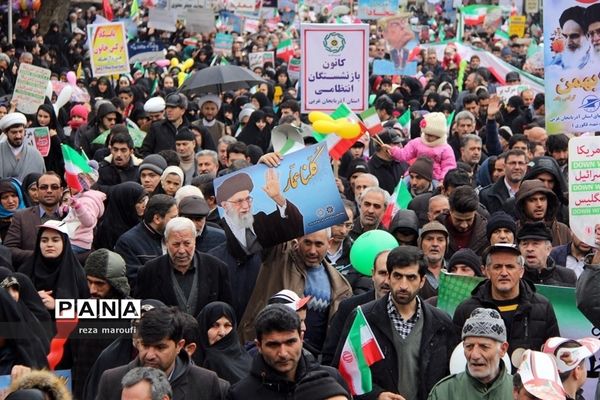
column 334, row 42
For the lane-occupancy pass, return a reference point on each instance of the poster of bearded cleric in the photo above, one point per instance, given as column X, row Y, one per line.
column 263, row 206
column 571, row 58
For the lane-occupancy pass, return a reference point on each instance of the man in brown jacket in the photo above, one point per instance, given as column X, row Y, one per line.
column 535, row 202
column 300, row 266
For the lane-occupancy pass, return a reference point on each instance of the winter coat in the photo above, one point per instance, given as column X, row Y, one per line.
column 553, row 274
column 494, row 196
column 561, row 234
column 264, row 383
column 137, row 246
column 110, row 175
column 441, row 155
column 86, row 209
column 161, row 136
column 281, row 269
column 464, row 387
column 187, row 381
column 533, row 322
column 478, row 242
column 438, row 340
column 212, row 279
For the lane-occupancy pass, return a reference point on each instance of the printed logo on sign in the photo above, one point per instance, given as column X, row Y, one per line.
column 590, row 103
column 98, row 309
column 334, row 42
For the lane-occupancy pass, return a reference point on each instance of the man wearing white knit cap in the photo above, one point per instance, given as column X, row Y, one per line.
column 484, row 342
column 17, row 158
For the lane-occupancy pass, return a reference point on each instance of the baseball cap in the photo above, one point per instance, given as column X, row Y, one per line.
column 59, row 226
column 290, row 299
column 501, row 247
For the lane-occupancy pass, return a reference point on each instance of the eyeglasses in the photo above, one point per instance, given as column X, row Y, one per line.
column 595, row 32
column 240, row 202
column 347, row 225
column 51, row 187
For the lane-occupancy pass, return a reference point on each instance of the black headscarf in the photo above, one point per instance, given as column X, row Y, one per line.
column 120, row 215
column 30, row 304
column 226, row 357
column 29, row 180
column 250, row 134
column 22, row 346
column 63, row 275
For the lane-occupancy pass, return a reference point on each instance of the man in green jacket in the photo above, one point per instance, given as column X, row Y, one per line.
column 484, row 342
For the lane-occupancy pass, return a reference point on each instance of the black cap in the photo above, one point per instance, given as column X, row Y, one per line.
column 194, row 206
column 534, row 230
column 500, row 219
column 513, row 76
column 390, row 136
column 467, row 257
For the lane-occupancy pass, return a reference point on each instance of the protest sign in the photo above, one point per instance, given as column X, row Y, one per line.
column 386, row 67
column 230, row 22
column 259, row 59
column 584, row 189
column 291, row 185
column 108, row 49
column 251, row 25
column 454, row 289
column 334, row 67
column 39, row 138
column 374, row 9
column 30, row 88
column 163, row 19
column 294, row 69
column 506, row 92
column 145, row 51
column 532, row 6
column 223, row 43
column 244, row 5
column 199, row 20
column 516, row 25
column 571, row 70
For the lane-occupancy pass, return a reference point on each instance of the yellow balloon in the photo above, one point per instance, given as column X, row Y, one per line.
column 189, row 63
column 181, row 78
column 323, row 126
column 348, row 130
column 314, row 116
column 174, row 62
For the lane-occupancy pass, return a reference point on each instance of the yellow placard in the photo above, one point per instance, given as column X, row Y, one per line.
column 516, row 25
column 108, row 49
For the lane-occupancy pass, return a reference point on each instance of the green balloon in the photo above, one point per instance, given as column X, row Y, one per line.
column 366, row 247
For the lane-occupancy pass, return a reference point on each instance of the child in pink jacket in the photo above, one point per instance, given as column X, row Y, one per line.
column 432, row 144
column 86, row 208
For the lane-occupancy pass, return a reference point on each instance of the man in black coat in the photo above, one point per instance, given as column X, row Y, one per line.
column 528, row 316
column 160, row 346
column 161, row 135
column 381, row 284
column 183, row 277
column 281, row 363
column 121, row 165
column 494, row 196
column 409, row 332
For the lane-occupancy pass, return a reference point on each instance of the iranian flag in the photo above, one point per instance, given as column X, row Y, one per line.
column 404, row 121
column 336, row 145
column 285, row 50
column 475, row 14
column 75, row 164
column 371, row 120
column 399, row 201
column 360, row 351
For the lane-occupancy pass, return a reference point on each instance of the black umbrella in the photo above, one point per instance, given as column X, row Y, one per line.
column 219, row 79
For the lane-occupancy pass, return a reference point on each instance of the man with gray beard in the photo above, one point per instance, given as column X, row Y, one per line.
column 247, row 234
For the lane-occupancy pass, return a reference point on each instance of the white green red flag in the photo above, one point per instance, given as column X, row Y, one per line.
column 336, row 145
column 75, row 164
column 371, row 120
column 475, row 14
column 404, row 120
column 360, row 351
column 285, row 50
column 399, row 201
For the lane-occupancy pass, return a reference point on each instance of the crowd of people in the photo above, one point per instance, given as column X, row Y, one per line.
column 228, row 311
